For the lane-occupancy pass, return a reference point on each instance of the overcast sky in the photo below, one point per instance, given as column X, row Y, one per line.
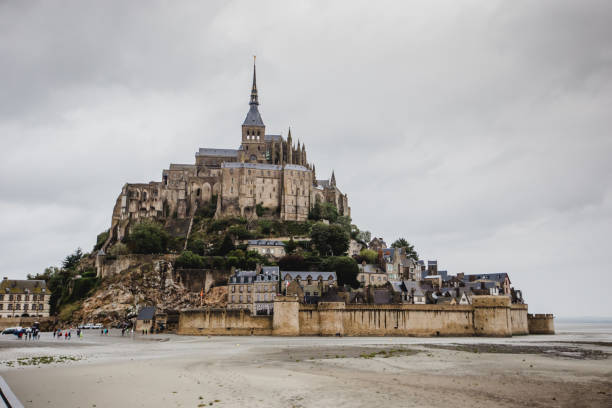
column 481, row 131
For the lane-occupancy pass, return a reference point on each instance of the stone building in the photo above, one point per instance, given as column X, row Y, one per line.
column 24, row 298
column 254, row 290
column 266, row 172
column 371, row 275
column 267, row 247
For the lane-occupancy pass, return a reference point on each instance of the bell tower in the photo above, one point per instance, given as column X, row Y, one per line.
column 253, row 129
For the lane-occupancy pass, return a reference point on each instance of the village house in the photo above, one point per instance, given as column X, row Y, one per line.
column 23, row 298
column 355, row 247
column 377, row 244
column 313, row 284
column 370, row 274
column 145, row 321
column 269, row 248
column 254, row 290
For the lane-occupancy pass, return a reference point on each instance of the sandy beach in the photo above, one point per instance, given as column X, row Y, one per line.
column 569, row 369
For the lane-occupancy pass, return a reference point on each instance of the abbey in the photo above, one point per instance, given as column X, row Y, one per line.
column 267, row 172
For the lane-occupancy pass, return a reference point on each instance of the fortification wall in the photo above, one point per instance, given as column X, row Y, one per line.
column 408, row 320
column 223, row 322
column 518, row 314
column 492, row 316
column 308, row 317
column 541, row 324
column 487, row 316
column 108, row 267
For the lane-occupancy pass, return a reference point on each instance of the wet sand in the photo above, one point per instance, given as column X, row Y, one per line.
column 564, row 370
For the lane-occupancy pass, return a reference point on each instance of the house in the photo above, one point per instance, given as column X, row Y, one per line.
column 377, row 244
column 502, row 280
column 370, row 274
column 270, row 248
column 254, row 290
column 355, row 247
column 313, row 284
column 24, row 298
column 393, row 259
column 145, row 321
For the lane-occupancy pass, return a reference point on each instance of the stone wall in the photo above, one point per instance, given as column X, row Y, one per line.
column 492, row 316
column 223, row 322
column 194, row 280
column 518, row 314
column 46, row 323
column 488, row 316
column 107, row 267
column 541, row 324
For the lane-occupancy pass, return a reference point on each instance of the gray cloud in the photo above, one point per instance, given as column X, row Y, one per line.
column 480, row 131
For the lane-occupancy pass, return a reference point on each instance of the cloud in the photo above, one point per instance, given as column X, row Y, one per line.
column 479, row 131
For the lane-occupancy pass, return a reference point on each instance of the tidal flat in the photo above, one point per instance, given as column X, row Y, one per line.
column 572, row 368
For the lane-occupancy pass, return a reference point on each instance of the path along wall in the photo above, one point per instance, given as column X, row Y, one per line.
column 488, row 316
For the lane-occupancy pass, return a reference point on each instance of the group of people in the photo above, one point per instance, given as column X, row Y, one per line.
column 67, row 334
column 29, row 333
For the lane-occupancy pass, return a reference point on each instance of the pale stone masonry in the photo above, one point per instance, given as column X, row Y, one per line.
column 266, row 172
column 24, row 298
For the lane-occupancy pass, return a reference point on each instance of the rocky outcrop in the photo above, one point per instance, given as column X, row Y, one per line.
column 149, row 283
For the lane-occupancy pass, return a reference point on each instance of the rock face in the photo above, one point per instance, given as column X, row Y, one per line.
column 146, row 284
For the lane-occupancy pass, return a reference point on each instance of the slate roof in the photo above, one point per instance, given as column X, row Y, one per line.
column 217, row 152
column 382, row 297
column 20, row 285
column 304, row 275
column 273, row 137
column 258, row 166
column 498, row 277
column 253, row 118
column 265, row 242
column 146, row 313
column 295, row 167
column 323, row 183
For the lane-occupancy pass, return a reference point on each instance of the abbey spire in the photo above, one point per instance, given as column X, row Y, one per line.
column 253, row 117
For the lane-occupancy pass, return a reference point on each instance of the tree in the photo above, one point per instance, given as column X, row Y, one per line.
column 148, row 237
column 369, row 255
column 189, row 260
column 290, row 246
column 101, row 239
column 292, row 263
column 364, row 236
column 329, row 239
column 403, row 243
column 226, row 246
column 323, row 211
column 71, row 261
column 345, row 267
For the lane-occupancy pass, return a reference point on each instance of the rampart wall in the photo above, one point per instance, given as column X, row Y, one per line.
column 223, row 322
column 492, row 316
column 541, row 323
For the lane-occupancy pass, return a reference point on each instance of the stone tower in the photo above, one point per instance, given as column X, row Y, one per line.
column 253, row 129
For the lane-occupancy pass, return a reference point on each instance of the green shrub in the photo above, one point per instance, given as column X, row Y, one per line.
column 101, row 239
column 189, row 260
column 369, row 256
column 259, row 210
column 68, row 310
column 329, row 239
column 119, row 249
column 148, row 237
column 345, row 267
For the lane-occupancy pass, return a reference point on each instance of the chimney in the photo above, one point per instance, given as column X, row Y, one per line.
column 258, row 268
